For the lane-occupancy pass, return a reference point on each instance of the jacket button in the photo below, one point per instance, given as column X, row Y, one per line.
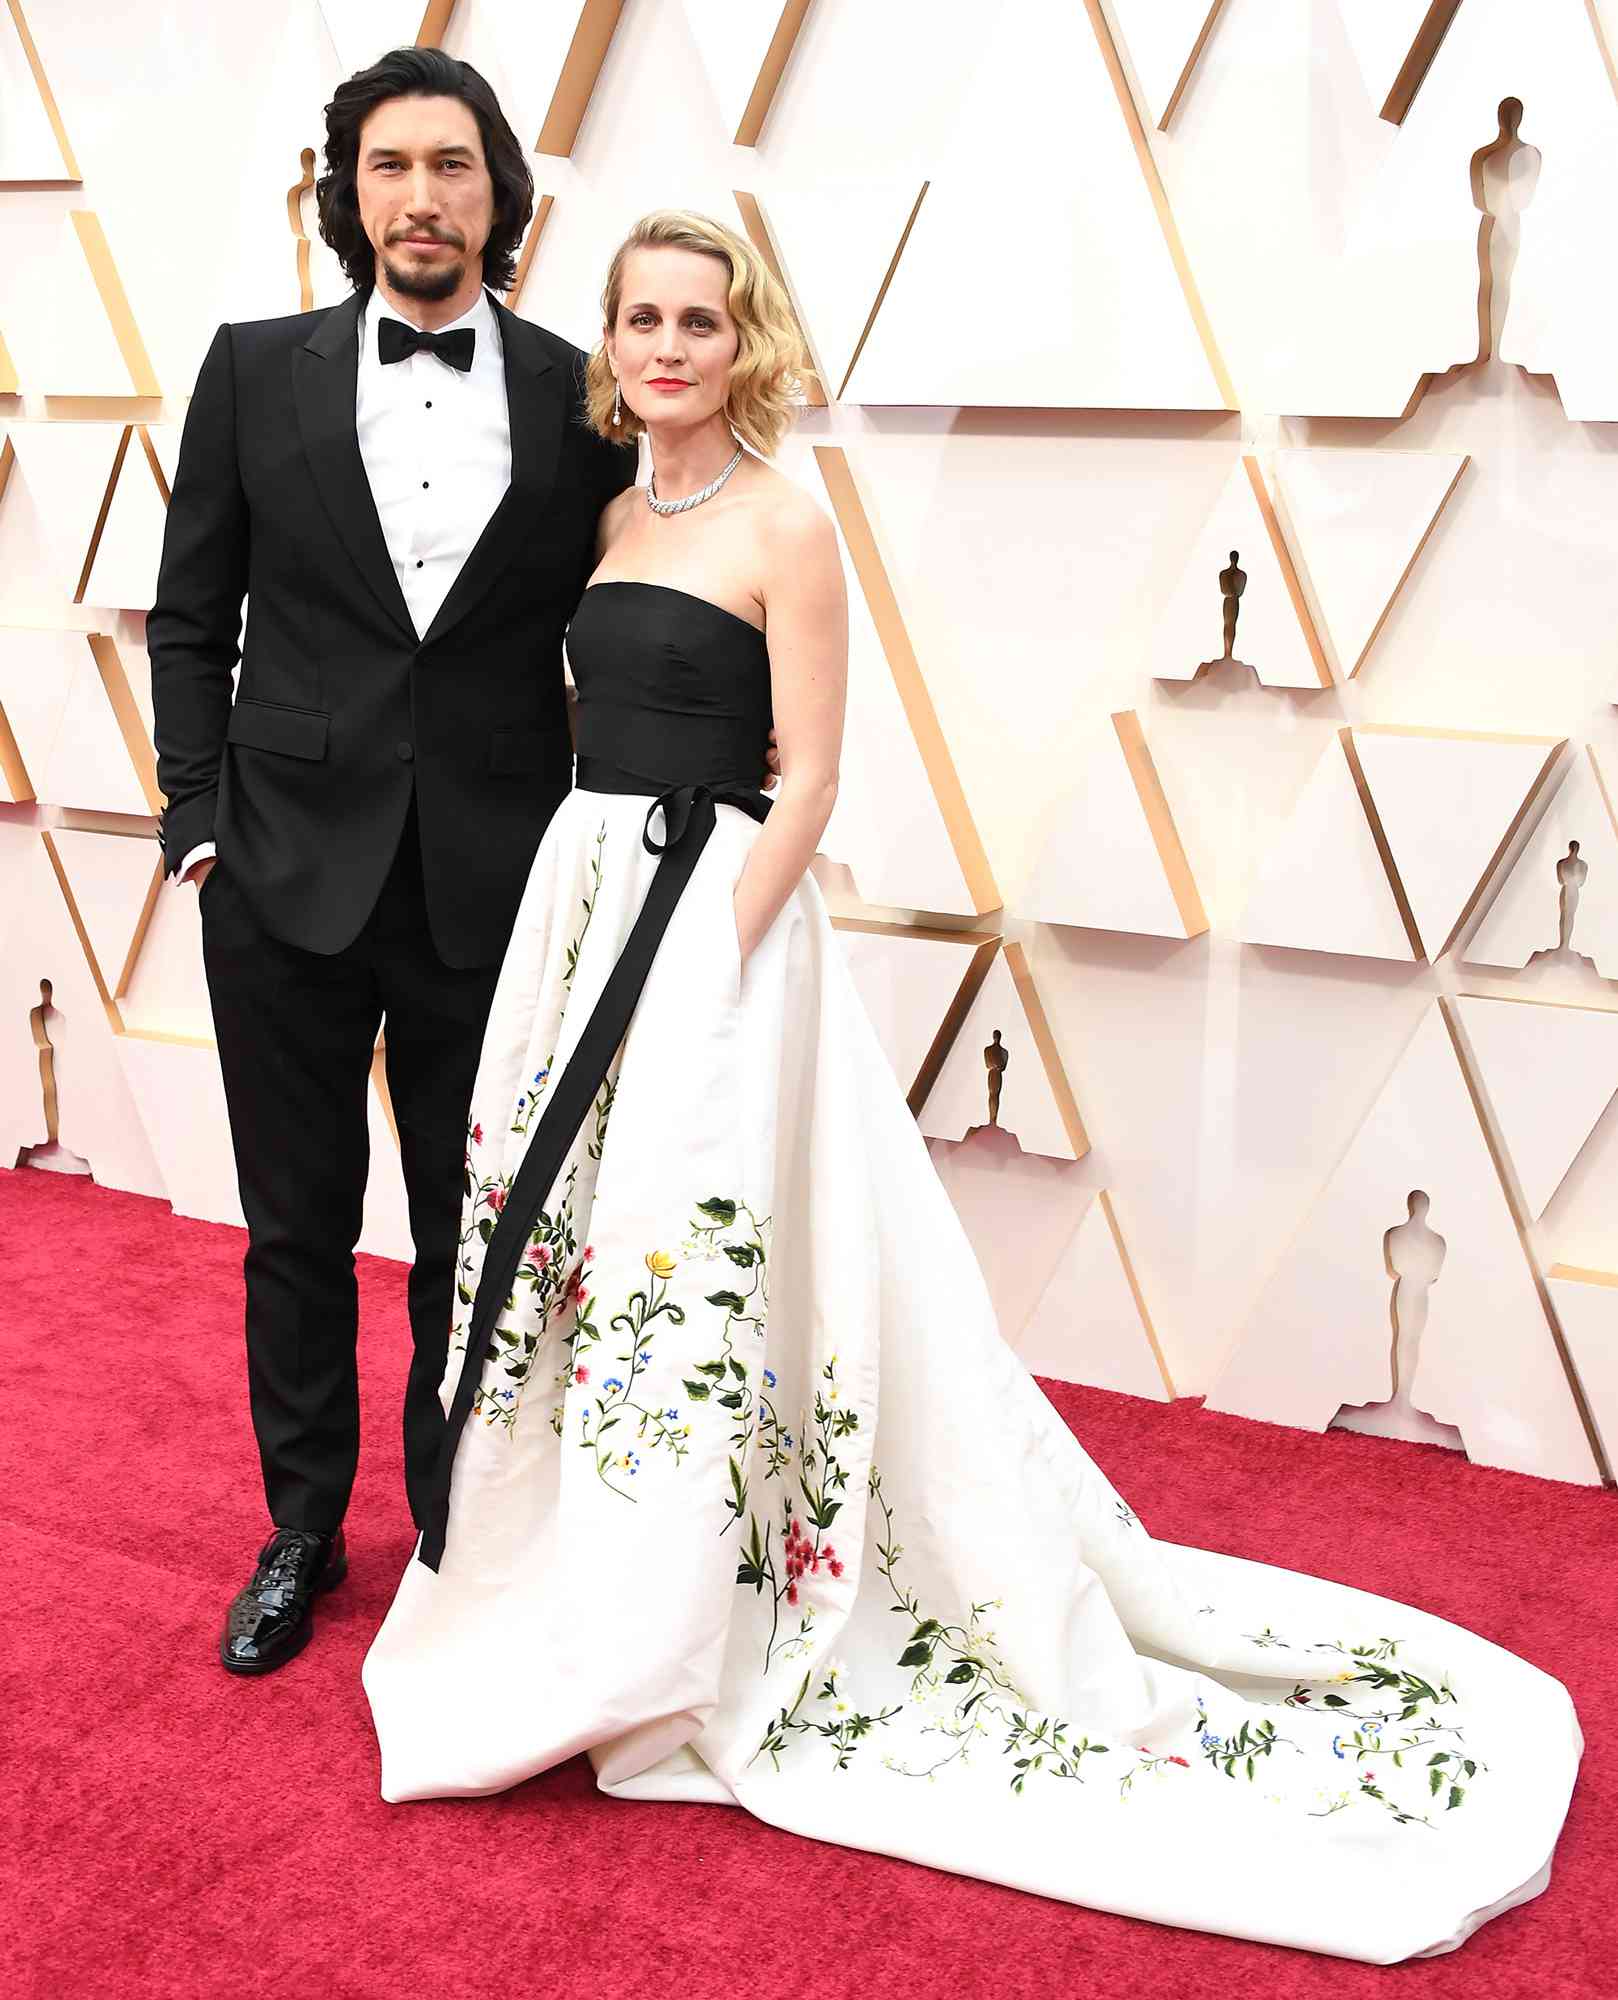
column 405, row 752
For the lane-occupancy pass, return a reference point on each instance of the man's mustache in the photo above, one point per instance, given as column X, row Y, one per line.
column 450, row 236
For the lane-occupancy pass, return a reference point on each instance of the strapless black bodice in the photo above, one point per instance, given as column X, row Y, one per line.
column 672, row 689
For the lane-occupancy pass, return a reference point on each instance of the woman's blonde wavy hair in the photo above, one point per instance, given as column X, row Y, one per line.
column 766, row 376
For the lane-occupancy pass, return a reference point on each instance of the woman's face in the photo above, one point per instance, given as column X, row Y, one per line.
column 674, row 342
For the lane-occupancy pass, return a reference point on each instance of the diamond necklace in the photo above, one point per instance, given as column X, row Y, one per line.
column 691, row 499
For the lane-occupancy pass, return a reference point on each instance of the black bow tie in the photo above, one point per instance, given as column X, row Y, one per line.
column 395, row 340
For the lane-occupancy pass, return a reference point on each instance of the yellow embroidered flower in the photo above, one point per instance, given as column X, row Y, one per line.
column 660, row 1263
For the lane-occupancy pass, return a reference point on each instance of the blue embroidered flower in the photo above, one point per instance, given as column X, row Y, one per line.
column 644, row 1357
column 671, row 1416
column 1337, row 1746
column 769, row 1378
column 612, row 1382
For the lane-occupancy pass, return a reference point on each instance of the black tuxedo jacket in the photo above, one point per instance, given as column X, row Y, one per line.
column 305, row 779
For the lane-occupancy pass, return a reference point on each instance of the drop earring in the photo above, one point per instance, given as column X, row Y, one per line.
column 617, row 404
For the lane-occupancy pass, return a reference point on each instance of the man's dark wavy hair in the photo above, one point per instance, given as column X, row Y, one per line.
column 420, row 73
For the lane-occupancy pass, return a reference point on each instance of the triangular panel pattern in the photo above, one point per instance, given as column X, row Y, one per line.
column 839, row 243
column 1006, row 1028
column 33, row 142
column 1360, row 520
column 121, row 570
column 1139, row 341
column 99, row 1120
column 1449, row 803
column 1113, row 859
column 64, row 473
column 37, row 671
column 114, row 879
column 1321, row 1336
column 1548, row 1073
column 915, row 986
column 101, row 759
column 1322, row 884
column 1164, row 39
column 363, row 30
column 1565, row 879
column 1274, row 634
column 542, row 61
column 1091, row 1324
column 95, row 347
column 901, row 823
column 745, row 46
column 1586, row 1305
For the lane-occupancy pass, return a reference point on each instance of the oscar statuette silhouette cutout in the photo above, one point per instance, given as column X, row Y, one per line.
column 1413, row 1256
column 995, row 1057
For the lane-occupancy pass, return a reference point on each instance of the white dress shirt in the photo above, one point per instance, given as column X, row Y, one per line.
column 436, row 445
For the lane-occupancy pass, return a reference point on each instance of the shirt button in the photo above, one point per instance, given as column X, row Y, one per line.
column 425, row 484
column 419, row 561
column 429, row 403
column 405, row 751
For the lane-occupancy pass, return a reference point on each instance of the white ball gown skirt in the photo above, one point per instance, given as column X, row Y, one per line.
column 756, row 1506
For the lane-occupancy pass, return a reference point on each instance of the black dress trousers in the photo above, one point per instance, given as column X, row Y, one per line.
column 296, row 1032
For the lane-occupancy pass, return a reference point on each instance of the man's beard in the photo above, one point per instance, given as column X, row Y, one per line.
column 432, row 283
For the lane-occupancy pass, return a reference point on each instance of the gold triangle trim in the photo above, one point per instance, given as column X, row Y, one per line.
column 853, row 517
column 763, row 241
column 121, row 698
column 1497, row 1158
column 1423, row 47
column 114, row 300
column 882, row 291
column 1160, row 822
column 1128, row 1263
column 1289, row 573
column 771, row 70
column 982, row 946
column 1551, row 745
column 154, row 462
column 1583, row 1276
column 8, row 383
column 571, row 98
column 101, row 516
column 434, row 21
column 1404, row 574
column 1160, row 201
column 114, row 1018
column 1040, row 1028
column 1189, row 65
column 536, row 229
column 48, row 99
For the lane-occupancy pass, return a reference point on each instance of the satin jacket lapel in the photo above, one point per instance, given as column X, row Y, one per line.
column 325, row 371
column 537, row 403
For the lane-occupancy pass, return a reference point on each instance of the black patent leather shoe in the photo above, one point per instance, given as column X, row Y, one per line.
column 269, row 1623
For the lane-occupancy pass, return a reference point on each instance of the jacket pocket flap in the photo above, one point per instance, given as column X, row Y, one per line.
column 266, row 725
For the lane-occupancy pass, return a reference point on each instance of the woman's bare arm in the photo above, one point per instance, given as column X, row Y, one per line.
column 806, row 625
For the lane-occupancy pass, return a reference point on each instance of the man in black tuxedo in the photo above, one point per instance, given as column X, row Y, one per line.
column 403, row 492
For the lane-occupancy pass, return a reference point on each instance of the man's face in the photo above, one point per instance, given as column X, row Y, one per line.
column 425, row 197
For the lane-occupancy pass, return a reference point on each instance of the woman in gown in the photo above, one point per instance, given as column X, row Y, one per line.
column 743, row 1492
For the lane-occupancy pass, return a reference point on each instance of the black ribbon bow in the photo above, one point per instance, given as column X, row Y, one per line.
column 395, row 341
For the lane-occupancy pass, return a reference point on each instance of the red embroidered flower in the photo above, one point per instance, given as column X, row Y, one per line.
column 576, row 1287
column 792, row 1593
column 581, row 1374
column 477, row 1135
column 540, row 1255
column 496, row 1198
column 589, row 1252
column 1184, row 1766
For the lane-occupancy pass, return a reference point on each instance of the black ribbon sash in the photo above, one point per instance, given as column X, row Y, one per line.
column 689, row 816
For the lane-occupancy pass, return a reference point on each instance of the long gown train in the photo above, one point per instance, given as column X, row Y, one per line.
column 754, row 1504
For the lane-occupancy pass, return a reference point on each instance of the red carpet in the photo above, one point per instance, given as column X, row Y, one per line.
column 171, row 1831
